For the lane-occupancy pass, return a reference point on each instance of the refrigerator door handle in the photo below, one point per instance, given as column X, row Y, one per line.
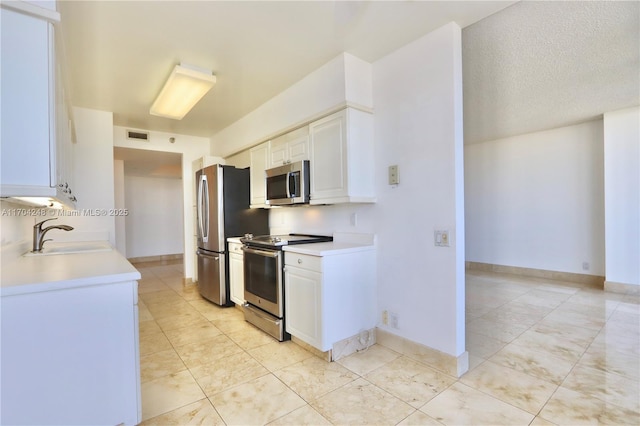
column 199, row 208
column 203, row 254
column 204, row 208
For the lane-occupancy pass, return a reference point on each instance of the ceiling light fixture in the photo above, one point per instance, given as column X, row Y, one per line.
column 184, row 88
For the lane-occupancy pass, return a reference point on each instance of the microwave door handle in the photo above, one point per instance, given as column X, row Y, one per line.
column 288, row 188
column 292, row 186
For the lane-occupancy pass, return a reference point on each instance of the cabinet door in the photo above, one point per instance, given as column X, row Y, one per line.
column 303, row 307
column 27, row 92
column 259, row 157
column 298, row 148
column 328, row 157
column 290, row 147
column 236, row 276
column 278, row 153
column 64, row 139
column 83, row 360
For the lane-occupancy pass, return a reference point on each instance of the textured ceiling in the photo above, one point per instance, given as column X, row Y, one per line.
column 119, row 53
column 541, row 65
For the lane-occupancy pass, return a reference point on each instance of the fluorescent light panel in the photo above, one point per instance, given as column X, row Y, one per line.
column 184, row 88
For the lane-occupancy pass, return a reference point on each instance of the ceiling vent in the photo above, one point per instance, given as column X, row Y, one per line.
column 139, row 136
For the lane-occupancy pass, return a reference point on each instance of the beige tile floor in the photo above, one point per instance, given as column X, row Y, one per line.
column 541, row 353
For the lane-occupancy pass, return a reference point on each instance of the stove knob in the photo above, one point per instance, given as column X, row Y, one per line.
column 276, row 239
column 248, row 236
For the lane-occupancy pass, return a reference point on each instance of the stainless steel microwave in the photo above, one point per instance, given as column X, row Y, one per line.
column 288, row 184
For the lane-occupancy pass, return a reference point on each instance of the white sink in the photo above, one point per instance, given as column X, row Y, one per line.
column 51, row 249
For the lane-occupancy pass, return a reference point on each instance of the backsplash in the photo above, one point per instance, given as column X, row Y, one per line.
column 16, row 222
column 322, row 220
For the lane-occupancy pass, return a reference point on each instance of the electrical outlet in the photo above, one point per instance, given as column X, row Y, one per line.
column 585, row 266
column 385, row 317
column 363, row 338
column 394, row 319
column 353, row 219
column 394, row 178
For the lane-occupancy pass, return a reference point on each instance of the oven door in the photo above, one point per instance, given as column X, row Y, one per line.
column 263, row 279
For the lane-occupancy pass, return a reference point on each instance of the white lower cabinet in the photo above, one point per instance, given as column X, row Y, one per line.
column 329, row 298
column 236, row 273
column 303, row 303
column 71, row 356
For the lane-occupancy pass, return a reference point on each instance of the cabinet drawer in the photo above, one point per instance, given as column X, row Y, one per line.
column 235, row 248
column 313, row 263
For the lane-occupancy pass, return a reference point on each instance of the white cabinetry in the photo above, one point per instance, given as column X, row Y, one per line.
column 290, row 147
column 342, row 158
column 71, row 355
column 36, row 126
column 236, row 272
column 259, row 160
column 329, row 298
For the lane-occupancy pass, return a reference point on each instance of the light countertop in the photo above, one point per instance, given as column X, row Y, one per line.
column 33, row 274
column 329, row 249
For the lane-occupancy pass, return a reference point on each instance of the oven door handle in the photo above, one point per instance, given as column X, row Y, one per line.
column 265, row 253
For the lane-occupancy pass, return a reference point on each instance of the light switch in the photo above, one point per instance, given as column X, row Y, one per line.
column 394, row 177
column 441, row 238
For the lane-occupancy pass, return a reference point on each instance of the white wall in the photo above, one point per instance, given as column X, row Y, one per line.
column 155, row 223
column 93, row 178
column 343, row 79
column 191, row 148
column 119, row 203
column 622, row 195
column 537, row 200
column 418, row 126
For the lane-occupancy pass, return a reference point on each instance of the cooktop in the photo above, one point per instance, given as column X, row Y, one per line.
column 283, row 240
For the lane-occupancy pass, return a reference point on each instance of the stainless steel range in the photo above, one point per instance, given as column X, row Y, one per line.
column 264, row 279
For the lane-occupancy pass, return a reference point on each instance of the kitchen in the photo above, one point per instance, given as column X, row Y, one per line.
column 431, row 152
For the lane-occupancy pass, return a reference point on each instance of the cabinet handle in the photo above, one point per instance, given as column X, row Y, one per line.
column 299, row 261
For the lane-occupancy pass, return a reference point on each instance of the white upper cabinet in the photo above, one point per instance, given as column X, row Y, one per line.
column 342, row 158
column 259, row 158
column 36, row 122
column 340, row 150
column 290, row 147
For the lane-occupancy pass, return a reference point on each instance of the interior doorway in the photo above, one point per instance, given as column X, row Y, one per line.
column 149, row 188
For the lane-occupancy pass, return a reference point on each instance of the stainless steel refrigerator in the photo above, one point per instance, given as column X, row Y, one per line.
column 222, row 211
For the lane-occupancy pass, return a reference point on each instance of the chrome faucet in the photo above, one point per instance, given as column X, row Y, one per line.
column 38, row 234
